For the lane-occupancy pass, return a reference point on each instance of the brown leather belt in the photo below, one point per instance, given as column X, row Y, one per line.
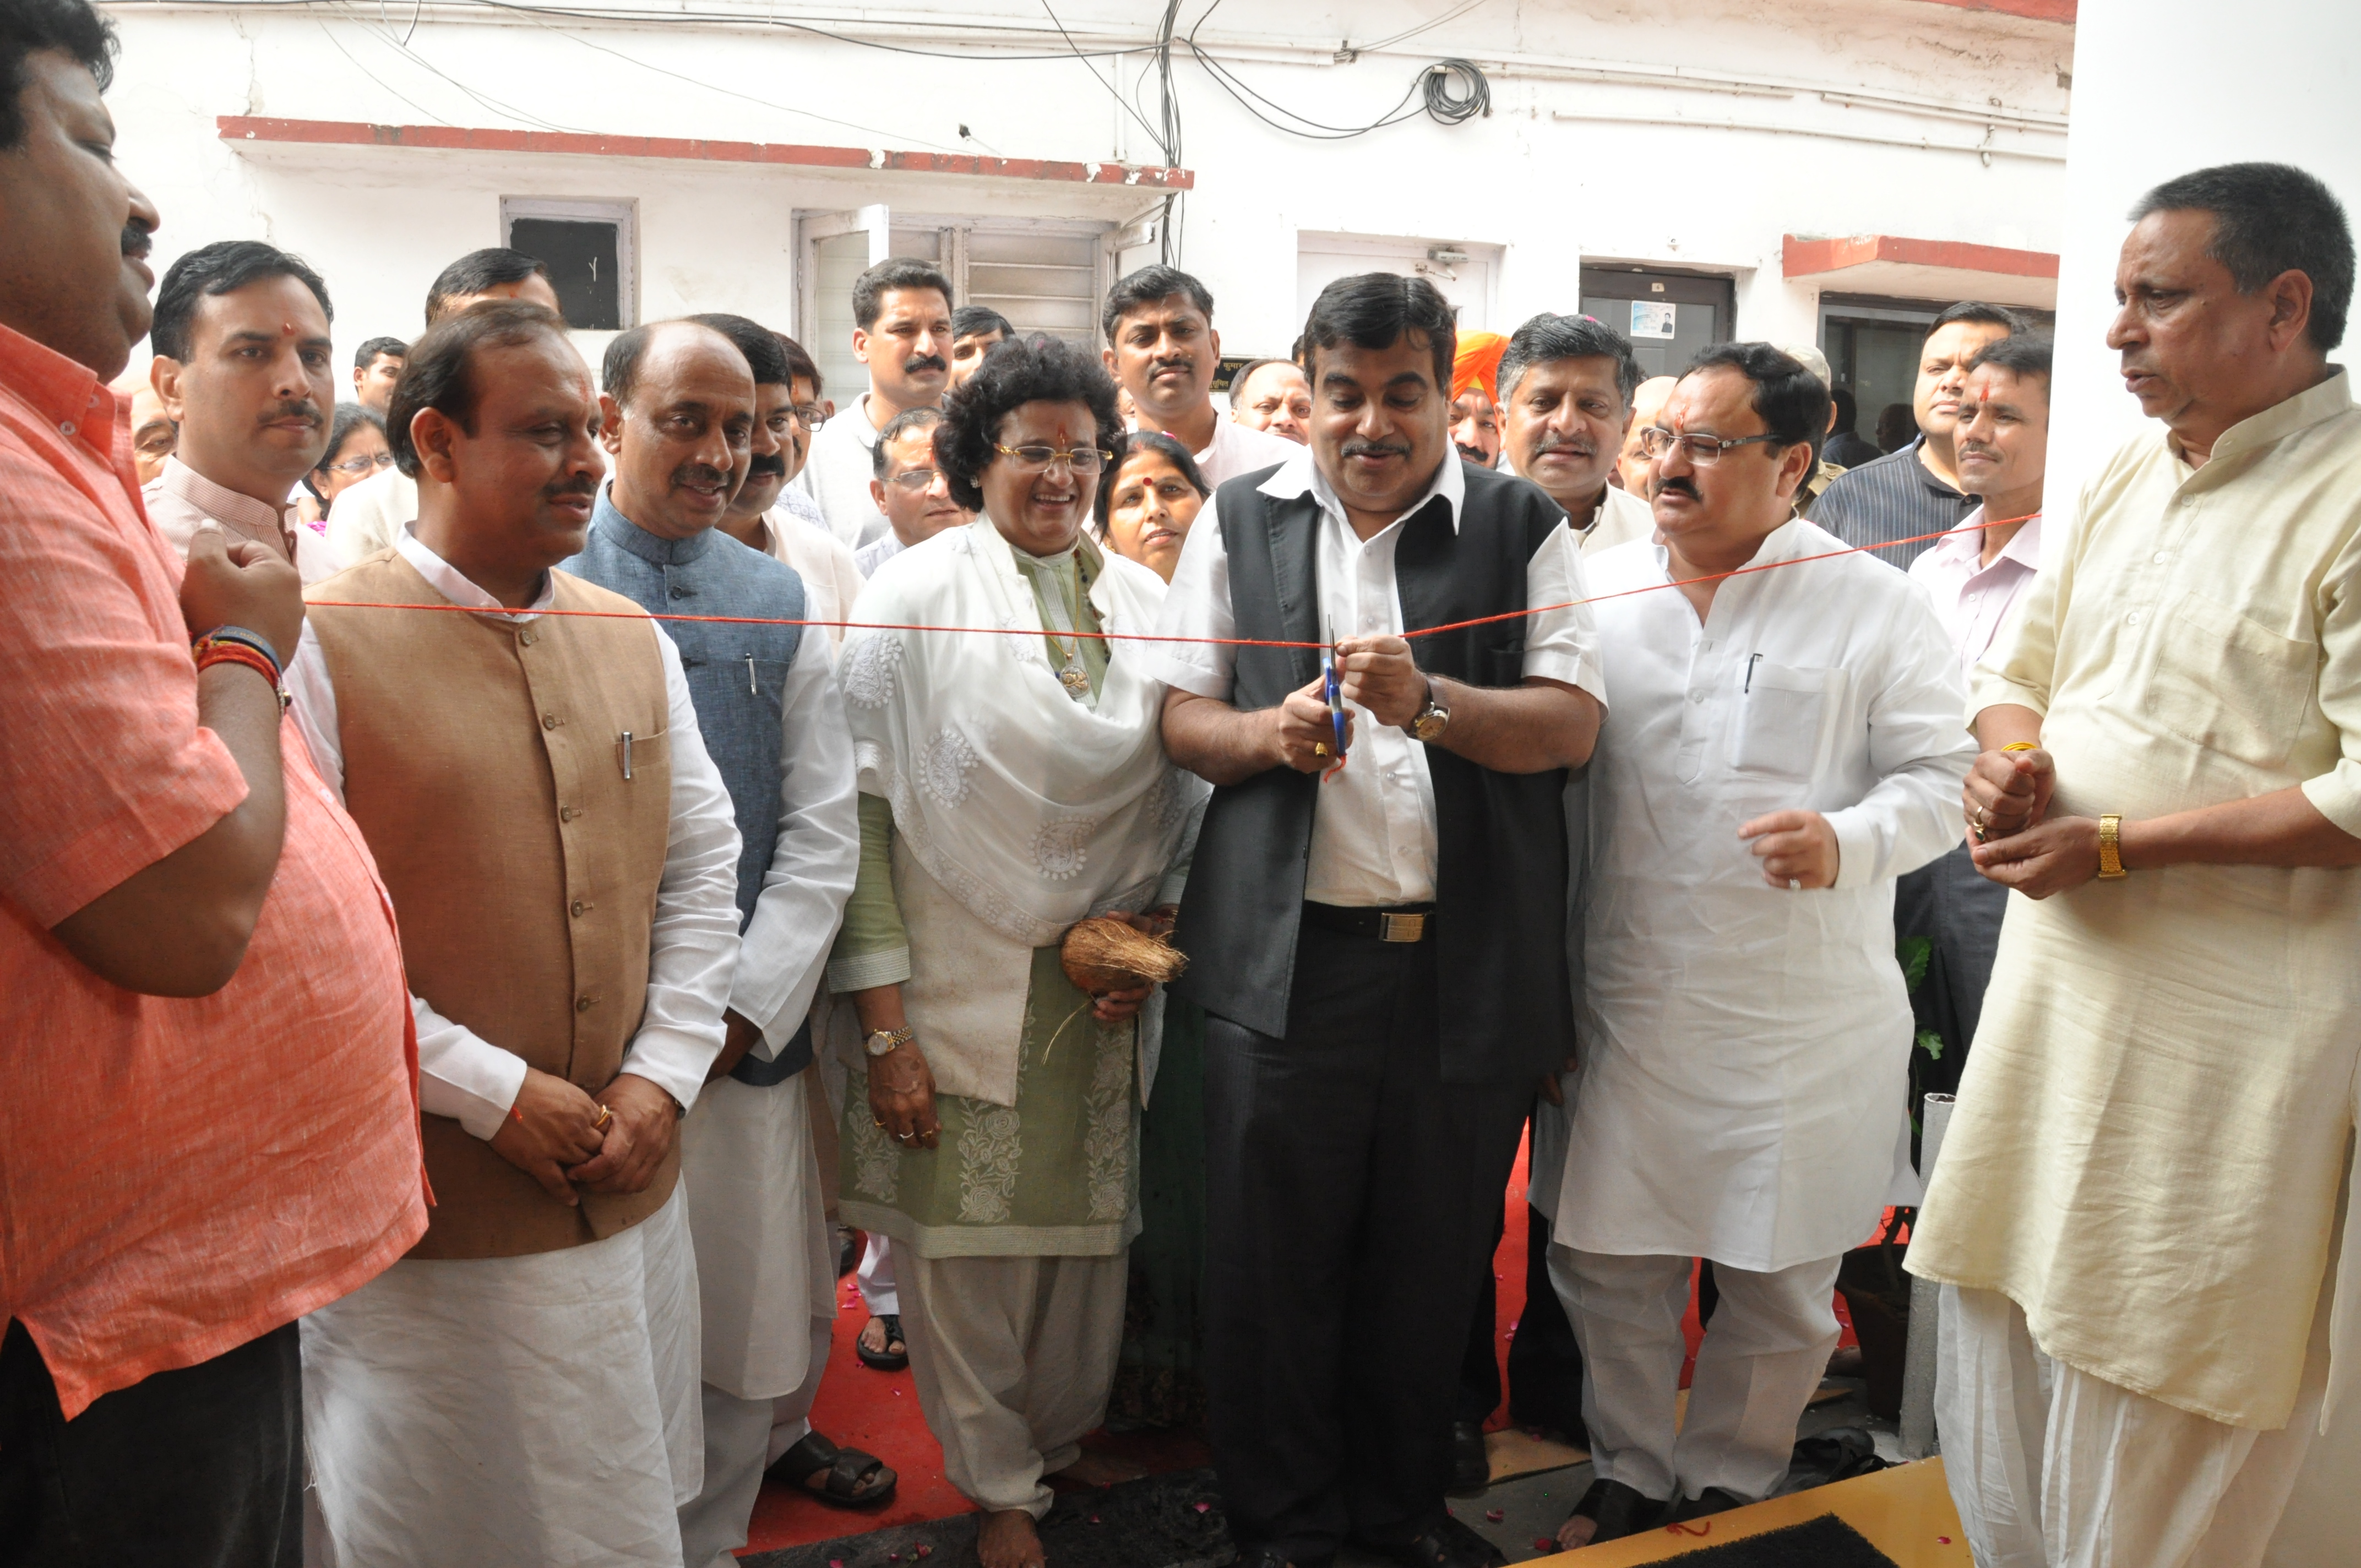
column 1405, row 922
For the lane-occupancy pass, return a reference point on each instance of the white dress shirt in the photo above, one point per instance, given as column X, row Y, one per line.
column 692, row 947
column 1742, row 1088
column 180, row 498
column 1972, row 600
column 1373, row 835
column 837, row 475
column 783, row 952
column 1621, row 518
column 1241, row 449
column 795, row 532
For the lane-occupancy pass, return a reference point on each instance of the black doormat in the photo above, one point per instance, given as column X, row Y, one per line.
column 1824, row 1542
column 1162, row 1521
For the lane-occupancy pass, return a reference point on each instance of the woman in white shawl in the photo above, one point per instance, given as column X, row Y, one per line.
column 1012, row 782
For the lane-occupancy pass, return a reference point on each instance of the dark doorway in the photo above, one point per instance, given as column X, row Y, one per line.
column 1668, row 316
column 581, row 256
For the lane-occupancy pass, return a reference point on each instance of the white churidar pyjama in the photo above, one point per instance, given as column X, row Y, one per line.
column 1763, row 1354
column 510, row 1413
column 876, row 1278
column 2050, row 1467
column 768, row 1290
column 1013, row 1357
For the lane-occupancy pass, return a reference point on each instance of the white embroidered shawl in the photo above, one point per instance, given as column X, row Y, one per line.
column 1031, row 809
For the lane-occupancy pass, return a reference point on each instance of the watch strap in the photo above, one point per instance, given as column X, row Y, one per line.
column 2111, row 847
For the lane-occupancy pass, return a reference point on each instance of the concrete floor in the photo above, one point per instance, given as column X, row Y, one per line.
column 1532, row 1507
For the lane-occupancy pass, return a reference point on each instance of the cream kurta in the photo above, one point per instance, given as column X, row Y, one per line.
column 2153, row 1123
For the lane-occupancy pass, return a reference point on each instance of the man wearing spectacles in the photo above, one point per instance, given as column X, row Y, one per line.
column 1780, row 746
column 243, row 366
column 909, row 489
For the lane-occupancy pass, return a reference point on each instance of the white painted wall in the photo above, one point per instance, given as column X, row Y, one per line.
column 1611, row 136
column 2163, row 87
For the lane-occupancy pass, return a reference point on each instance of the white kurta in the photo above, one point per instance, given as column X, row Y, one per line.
column 510, row 1413
column 1742, row 1093
column 837, row 474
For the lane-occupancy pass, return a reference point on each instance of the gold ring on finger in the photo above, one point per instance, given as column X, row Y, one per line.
column 606, row 1114
column 1319, row 748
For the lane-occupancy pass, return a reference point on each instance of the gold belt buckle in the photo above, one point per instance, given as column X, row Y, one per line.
column 1392, row 928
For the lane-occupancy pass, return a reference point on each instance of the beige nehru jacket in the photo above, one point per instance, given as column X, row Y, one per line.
column 481, row 762
column 2153, row 1121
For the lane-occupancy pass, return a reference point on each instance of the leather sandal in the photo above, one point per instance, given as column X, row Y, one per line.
column 847, row 1469
column 1618, row 1510
column 1445, row 1543
column 888, row 1360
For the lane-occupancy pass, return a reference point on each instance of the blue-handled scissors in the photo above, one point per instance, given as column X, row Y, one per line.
column 1333, row 685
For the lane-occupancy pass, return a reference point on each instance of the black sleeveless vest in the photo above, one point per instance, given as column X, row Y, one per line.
column 1500, row 871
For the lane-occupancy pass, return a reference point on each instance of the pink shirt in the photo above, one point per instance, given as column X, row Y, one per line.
column 1972, row 600
column 177, row 1175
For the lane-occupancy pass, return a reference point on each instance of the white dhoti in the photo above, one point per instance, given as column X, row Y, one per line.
column 510, row 1413
column 2050, row 1467
column 1013, row 1357
column 768, row 1293
column 1763, row 1354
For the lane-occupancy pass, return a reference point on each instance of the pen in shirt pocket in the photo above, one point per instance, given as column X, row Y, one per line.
column 626, row 739
column 1751, row 660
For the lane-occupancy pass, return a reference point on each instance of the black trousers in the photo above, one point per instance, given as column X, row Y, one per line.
column 1958, row 911
column 1351, row 1200
column 199, row 1467
column 1544, row 1360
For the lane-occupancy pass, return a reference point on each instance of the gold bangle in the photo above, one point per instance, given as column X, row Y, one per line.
column 2111, row 847
column 2021, row 746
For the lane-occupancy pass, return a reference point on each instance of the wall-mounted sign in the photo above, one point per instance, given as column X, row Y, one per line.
column 1651, row 319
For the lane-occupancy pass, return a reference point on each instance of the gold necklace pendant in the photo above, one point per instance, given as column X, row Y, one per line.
column 1074, row 679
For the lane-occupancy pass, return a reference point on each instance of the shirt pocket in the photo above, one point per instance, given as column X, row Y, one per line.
column 1782, row 718
column 2249, row 706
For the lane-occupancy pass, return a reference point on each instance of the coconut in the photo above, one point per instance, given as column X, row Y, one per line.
column 1107, row 953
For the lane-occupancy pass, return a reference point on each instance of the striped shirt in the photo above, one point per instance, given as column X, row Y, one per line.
column 1893, row 498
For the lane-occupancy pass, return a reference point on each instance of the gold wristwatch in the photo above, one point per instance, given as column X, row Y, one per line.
column 1429, row 722
column 884, row 1042
column 2111, row 847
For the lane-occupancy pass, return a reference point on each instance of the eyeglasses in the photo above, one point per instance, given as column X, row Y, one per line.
column 369, row 464
column 811, row 415
column 1037, row 459
column 915, row 479
column 1702, row 451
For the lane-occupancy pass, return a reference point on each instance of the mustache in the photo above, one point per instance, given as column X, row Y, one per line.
column 918, row 362
column 1172, row 362
column 292, row 407
column 579, row 485
column 1676, row 486
column 699, row 473
column 1358, row 447
column 136, row 242
column 765, row 468
column 1574, row 444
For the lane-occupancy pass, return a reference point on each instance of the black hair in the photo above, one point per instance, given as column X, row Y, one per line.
column 349, row 416
column 1848, row 410
column 618, row 369
column 1156, row 441
column 1547, row 338
column 1373, row 310
column 222, row 268
column 900, row 425
column 1976, row 311
column 1146, row 286
column 869, row 289
column 1792, row 402
column 1897, row 423
column 2270, row 218
column 2020, row 354
column 476, row 272
column 440, row 373
column 72, row 27
column 975, row 321
column 801, row 366
column 1245, row 373
column 366, row 356
column 1037, row 369
column 759, row 344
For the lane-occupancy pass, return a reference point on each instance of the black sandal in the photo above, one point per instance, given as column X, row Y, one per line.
column 1621, row 1510
column 888, row 1360
column 847, row 1469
